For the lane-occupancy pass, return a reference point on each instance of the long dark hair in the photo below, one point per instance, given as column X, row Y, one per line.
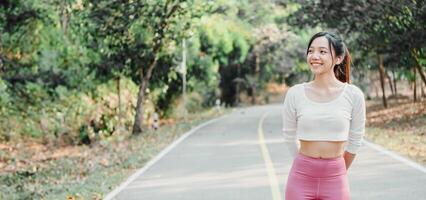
column 342, row 70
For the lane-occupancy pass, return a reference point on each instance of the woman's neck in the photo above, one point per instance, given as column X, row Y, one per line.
column 328, row 80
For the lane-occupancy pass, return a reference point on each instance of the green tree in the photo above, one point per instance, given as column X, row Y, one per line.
column 135, row 35
column 377, row 26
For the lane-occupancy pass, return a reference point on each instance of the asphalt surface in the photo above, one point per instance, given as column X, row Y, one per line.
column 242, row 156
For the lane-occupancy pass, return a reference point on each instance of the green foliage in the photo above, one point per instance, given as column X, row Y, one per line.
column 72, row 118
column 223, row 45
column 4, row 96
column 221, row 37
column 61, row 59
column 379, row 27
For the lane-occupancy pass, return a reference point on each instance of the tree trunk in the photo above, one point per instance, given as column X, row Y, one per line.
column 419, row 68
column 390, row 82
column 376, row 90
column 394, row 82
column 253, row 92
column 1, row 62
column 373, row 84
column 382, row 81
column 256, row 78
column 137, row 124
column 422, row 89
column 415, row 85
column 237, row 86
column 119, row 110
column 64, row 17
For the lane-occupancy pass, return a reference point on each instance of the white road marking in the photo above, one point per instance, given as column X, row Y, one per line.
column 396, row 156
column 138, row 173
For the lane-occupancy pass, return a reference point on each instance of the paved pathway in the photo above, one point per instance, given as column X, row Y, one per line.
column 242, row 156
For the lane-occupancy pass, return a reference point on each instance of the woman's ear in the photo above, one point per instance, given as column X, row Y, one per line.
column 339, row 60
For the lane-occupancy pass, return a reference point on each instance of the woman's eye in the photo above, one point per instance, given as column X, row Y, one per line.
column 309, row 51
column 323, row 52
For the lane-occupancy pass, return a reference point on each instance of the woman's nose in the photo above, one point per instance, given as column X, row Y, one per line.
column 315, row 55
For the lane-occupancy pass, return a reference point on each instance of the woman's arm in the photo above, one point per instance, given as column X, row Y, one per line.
column 289, row 123
column 349, row 157
column 357, row 127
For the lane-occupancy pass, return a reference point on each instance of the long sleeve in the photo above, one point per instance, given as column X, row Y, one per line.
column 357, row 123
column 289, row 122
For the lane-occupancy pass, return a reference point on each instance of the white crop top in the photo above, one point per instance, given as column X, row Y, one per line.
column 341, row 119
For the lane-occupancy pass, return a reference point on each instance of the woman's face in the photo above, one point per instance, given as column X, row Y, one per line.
column 319, row 56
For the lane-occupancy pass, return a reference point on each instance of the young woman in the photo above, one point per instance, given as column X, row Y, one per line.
column 326, row 118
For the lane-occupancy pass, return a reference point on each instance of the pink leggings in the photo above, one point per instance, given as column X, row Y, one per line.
column 317, row 179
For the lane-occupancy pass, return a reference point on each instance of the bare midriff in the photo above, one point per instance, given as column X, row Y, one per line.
column 322, row 149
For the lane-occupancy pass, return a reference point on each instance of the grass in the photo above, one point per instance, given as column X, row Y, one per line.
column 401, row 127
column 84, row 172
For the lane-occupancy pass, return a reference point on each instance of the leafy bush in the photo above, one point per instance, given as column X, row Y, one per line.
column 72, row 117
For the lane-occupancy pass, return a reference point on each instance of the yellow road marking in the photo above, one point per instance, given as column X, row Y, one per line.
column 273, row 180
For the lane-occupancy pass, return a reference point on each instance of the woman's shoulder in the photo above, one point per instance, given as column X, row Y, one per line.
column 355, row 91
column 294, row 88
